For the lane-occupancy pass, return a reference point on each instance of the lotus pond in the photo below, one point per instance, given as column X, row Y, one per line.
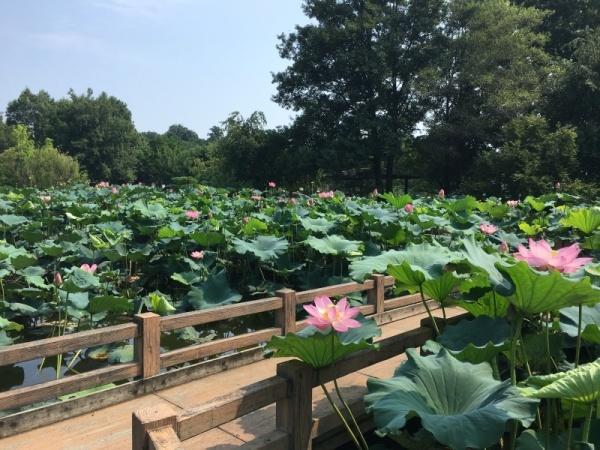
column 83, row 257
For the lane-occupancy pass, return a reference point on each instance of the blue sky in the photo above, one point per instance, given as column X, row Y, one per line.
column 172, row 61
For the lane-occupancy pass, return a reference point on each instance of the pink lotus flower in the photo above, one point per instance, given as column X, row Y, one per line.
column 45, row 198
column 293, row 201
column 114, row 190
column 310, row 202
column 324, row 314
column 58, row 281
column 193, row 215
column 488, row 228
column 272, row 184
column 409, row 208
column 503, row 247
column 442, row 194
column 328, row 194
column 89, row 269
column 197, row 254
column 256, row 198
column 512, row 203
column 542, row 256
column 103, row 184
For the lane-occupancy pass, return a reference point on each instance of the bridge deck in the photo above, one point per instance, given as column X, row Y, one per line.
column 110, row 428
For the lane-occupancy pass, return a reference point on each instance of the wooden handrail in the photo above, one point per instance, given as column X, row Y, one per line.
column 69, row 342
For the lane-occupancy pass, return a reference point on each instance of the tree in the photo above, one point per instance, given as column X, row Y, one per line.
column 182, row 133
column 494, row 69
column 41, row 167
column 35, row 111
column 99, row 132
column 358, row 75
column 5, row 135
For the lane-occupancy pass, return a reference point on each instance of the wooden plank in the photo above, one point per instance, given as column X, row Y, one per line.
column 45, row 391
column 276, row 440
column 212, row 348
column 231, row 406
column 26, row 420
column 285, row 318
column 147, row 344
column 164, row 438
column 219, row 313
column 148, row 419
column 367, row 310
column 331, row 291
column 294, row 412
column 397, row 302
column 70, row 342
column 389, row 281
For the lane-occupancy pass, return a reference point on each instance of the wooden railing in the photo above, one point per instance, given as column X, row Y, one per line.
column 148, row 361
column 291, row 390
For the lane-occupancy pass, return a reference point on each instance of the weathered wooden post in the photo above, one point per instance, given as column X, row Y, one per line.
column 294, row 413
column 147, row 420
column 286, row 316
column 147, row 344
column 376, row 295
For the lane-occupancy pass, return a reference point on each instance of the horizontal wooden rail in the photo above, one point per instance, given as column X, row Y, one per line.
column 220, row 313
column 231, row 406
column 397, row 302
column 70, row 342
column 199, row 351
column 340, row 289
column 74, row 383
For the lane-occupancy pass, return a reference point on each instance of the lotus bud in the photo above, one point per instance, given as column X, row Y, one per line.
column 503, row 247
column 58, row 281
column 442, row 194
column 409, row 208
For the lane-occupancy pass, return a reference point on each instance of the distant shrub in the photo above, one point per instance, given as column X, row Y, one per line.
column 184, row 181
column 26, row 165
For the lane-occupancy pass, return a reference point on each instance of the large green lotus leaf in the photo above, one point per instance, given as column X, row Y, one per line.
column 160, row 303
column 109, row 303
column 581, row 384
column 78, row 300
column 381, row 215
column 7, row 325
column 408, row 277
column 214, row 292
column 590, row 322
column 12, row 220
column 79, row 281
column 536, row 440
column 431, row 258
column 254, row 226
column 5, row 339
column 187, row 278
column 263, row 247
column 537, row 203
column 334, row 245
column 489, row 304
column 397, row 202
column 208, row 238
column 322, row 348
column 461, row 404
column 154, row 211
column 537, row 292
column 465, row 204
column 318, row 225
column 478, row 258
column 477, row 340
column 586, row 220
column 440, row 288
column 22, row 261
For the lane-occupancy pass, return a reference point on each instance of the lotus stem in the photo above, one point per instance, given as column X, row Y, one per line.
column 585, row 433
column 513, row 372
column 435, row 326
column 340, row 415
column 577, row 354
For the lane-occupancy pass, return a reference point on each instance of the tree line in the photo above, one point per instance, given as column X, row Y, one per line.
column 491, row 97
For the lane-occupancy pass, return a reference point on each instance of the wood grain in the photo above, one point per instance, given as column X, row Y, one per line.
column 195, row 352
column 148, row 419
column 331, row 291
column 285, row 318
column 231, row 406
column 219, row 313
column 147, row 344
column 164, row 438
column 376, row 295
column 45, row 391
column 70, row 342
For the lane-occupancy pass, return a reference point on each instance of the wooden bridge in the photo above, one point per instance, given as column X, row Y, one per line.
column 225, row 396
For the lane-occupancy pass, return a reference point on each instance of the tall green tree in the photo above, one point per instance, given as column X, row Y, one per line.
column 358, row 75
column 36, row 111
column 494, row 69
column 100, row 133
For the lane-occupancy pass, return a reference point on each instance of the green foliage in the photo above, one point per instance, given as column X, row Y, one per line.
column 26, row 165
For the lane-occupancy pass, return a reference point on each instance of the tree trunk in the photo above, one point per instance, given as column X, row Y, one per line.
column 389, row 173
column 377, row 169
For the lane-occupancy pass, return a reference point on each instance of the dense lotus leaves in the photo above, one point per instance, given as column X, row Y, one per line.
column 12, row 220
column 317, row 225
column 590, row 322
column 536, row 440
column 478, row 258
column 7, row 325
column 478, row 340
column 407, row 276
column 150, row 210
column 465, row 204
column 538, row 204
column 254, row 226
column 581, row 384
column 78, row 300
column 430, row 258
column 214, row 292
column 440, row 288
column 263, row 247
column 334, row 245
column 586, row 219
column 381, row 215
column 537, row 292
column 461, row 404
column 187, row 278
column 489, row 304
column 322, row 348
column 208, row 238
column 159, row 303
column 109, row 303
